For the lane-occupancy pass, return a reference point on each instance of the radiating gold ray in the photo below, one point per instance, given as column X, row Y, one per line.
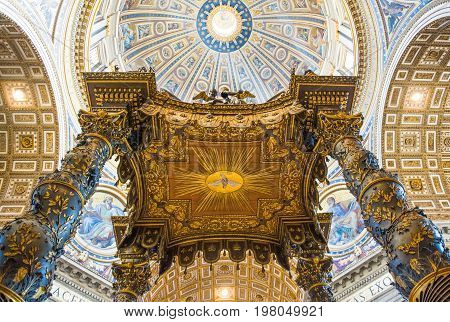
column 189, row 183
column 240, row 161
column 258, row 180
column 207, row 159
column 208, row 200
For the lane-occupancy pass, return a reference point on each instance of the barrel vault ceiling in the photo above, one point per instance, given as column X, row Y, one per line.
column 28, row 121
column 416, row 122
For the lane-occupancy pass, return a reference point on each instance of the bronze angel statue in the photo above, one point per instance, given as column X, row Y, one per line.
column 225, row 97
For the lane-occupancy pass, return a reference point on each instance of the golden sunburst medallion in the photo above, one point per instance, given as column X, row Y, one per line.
column 223, row 179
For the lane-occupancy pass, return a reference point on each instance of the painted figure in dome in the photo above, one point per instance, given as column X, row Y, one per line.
column 393, row 11
column 127, row 36
column 346, row 223
column 96, row 227
column 316, row 6
column 130, row 4
column 317, row 40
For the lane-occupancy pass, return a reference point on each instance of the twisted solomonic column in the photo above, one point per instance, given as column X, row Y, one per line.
column 30, row 245
column 418, row 258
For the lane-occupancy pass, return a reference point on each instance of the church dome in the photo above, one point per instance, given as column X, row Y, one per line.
column 198, row 45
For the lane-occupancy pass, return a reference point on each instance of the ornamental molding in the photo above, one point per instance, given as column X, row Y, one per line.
column 368, row 264
column 83, row 281
column 366, row 272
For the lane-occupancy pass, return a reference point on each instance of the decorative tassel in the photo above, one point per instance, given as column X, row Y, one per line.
column 210, row 267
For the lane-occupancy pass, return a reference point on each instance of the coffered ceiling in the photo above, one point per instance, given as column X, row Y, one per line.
column 416, row 121
column 28, row 121
column 225, row 281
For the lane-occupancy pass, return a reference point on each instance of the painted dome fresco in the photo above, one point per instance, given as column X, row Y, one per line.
column 198, row 45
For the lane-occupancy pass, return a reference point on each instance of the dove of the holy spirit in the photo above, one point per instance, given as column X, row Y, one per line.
column 224, row 181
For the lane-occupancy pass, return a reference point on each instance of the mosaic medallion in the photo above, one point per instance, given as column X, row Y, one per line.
column 224, row 26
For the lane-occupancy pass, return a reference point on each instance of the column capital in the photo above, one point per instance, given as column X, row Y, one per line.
column 133, row 272
column 132, row 280
column 314, row 266
column 314, row 276
column 112, row 127
column 331, row 128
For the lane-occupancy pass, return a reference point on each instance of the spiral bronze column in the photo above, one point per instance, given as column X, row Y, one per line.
column 418, row 258
column 30, row 245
